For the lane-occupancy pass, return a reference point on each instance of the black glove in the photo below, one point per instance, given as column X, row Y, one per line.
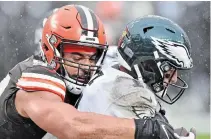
column 163, row 130
column 152, row 128
column 160, row 116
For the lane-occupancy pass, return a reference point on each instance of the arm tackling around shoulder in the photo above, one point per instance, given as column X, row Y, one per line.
column 63, row 121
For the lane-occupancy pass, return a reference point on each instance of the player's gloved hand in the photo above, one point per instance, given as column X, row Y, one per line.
column 181, row 131
column 152, row 128
column 164, row 130
column 183, row 134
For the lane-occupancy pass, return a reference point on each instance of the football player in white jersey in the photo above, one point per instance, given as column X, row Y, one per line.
column 150, row 52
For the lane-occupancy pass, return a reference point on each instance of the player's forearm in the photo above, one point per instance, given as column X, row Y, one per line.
column 50, row 117
column 95, row 126
column 65, row 122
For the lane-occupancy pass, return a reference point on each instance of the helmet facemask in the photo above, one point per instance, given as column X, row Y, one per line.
column 153, row 74
column 168, row 89
column 75, row 83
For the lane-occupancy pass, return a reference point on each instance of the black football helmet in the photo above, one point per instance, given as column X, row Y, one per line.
column 149, row 47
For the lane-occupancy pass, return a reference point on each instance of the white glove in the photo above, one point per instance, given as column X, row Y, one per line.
column 191, row 135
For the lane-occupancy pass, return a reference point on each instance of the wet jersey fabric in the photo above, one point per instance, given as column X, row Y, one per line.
column 113, row 92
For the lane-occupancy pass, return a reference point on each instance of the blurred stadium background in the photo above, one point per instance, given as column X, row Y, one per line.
column 19, row 22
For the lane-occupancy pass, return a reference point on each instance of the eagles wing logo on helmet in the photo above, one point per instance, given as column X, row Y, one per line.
column 174, row 51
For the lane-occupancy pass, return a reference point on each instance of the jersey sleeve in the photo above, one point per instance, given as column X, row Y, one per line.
column 39, row 78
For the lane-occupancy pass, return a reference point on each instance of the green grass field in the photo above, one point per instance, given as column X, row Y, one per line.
column 203, row 136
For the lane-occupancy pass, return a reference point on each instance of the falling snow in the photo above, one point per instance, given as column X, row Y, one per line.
column 19, row 20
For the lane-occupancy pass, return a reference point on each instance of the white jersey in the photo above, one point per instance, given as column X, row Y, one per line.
column 117, row 94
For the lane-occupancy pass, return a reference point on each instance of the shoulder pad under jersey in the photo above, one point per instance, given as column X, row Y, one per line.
column 42, row 78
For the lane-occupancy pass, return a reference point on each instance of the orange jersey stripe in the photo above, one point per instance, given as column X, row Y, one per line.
column 31, row 79
column 36, row 88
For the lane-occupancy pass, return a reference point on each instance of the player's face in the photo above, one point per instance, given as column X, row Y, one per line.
column 170, row 77
column 86, row 58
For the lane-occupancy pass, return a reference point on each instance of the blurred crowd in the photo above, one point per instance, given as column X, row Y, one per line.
column 20, row 23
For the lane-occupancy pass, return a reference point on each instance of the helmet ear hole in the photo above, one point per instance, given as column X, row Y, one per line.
column 149, row 65
column 151, row 72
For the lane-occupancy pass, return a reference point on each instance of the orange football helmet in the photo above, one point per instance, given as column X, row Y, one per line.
column 79, row 28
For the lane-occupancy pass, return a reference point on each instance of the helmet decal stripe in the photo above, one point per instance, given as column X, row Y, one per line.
column 83, row 19
column 95, row 23
column 89, row 21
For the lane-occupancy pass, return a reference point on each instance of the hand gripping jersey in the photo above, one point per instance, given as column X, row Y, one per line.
column 29, row 75
column 113, row 92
